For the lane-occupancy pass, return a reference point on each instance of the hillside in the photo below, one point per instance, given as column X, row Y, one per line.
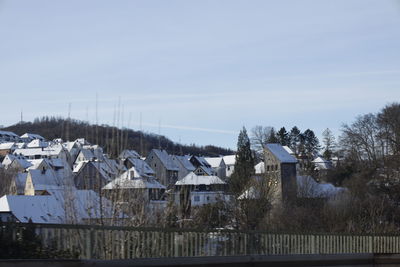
column 111, row 138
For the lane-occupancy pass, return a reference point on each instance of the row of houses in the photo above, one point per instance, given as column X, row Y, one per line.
column 46, row 170
column 80, row 181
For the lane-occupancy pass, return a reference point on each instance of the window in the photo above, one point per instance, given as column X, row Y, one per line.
column 196, row 198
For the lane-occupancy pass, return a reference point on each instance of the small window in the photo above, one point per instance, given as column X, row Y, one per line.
column 196, row 198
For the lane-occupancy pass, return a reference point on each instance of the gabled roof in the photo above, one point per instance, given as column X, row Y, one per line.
column 132, row 178
column 129, row 154
column 87, row 153
column 230, row 159
column 141, row 166
column 58, row 207
column 322, row 164
column 37, row 162
column 288, row 150
column 45, row 179
column 8, row 145
column 184, row 161
column 166, row 160
column 280, row 153
column 20, row 160
column 193, row 179
column 8, row 133
column 35, row 143
column 52, row 150
column 215, row 162
column 32, row 136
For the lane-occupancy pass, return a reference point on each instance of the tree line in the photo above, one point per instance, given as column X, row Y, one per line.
column 111, row 138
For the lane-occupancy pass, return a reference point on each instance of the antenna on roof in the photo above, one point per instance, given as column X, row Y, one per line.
column 21, row 116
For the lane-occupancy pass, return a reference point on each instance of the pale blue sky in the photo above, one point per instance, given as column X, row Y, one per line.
column 201, row 68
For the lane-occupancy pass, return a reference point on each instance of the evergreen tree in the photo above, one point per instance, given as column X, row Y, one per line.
column 272, row 138
column 295, row 136
column 283, row 137
column 329, row 143
column 311, row 143
column 244, row 165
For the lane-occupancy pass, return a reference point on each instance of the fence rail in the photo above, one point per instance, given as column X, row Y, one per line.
column 95, row 242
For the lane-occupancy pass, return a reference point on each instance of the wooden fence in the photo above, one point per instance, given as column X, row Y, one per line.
column 105, row 242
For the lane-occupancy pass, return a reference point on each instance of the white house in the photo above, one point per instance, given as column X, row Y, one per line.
column 230, row 164
column 218, row 165
column 203, row 189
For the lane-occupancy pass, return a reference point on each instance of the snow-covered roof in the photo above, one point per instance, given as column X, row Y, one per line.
column 37, row 162
column 53, row 150
column 166, row 160
column 215, row 162
column 307, row 187
column 8, row 133
column 288, row 150
column 104, row 170
column 230, row 159
column 129, row 154
column 184, row 161
column 132, row 178
column 280, row 153
column 141, row 166
column 20, row 145
column 32, row 136
column 45, row 179
column 193, row 179
column 260, row 168
column 322, row 164
column 8, row 145
column 36, row 143
column 58, row 207
column 87, row 154
column 20, row 160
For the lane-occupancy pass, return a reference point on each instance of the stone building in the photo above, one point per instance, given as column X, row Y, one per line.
column 281, row 166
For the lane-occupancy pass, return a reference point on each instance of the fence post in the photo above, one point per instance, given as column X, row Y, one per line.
column 89, row 243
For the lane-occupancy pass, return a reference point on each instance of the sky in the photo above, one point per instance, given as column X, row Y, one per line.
column 198, row 71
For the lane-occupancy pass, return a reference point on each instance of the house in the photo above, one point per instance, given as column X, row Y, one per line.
column 165, row 168
column 40, row 182
column 201, row 165
column 36, row 143
column 28, row 137
column 230, row 164
column 84, row 154
column 184, row 165
column 259, row 168
column 281, row 166
column 140, row 165
column 197, row 190
column 129, row 154
column 58, row 207
column 136, row 186
column 6, row 136
column 16, row 162
column 54, row 150
column 7, row 148
column 92, row 175
column 218, row 165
